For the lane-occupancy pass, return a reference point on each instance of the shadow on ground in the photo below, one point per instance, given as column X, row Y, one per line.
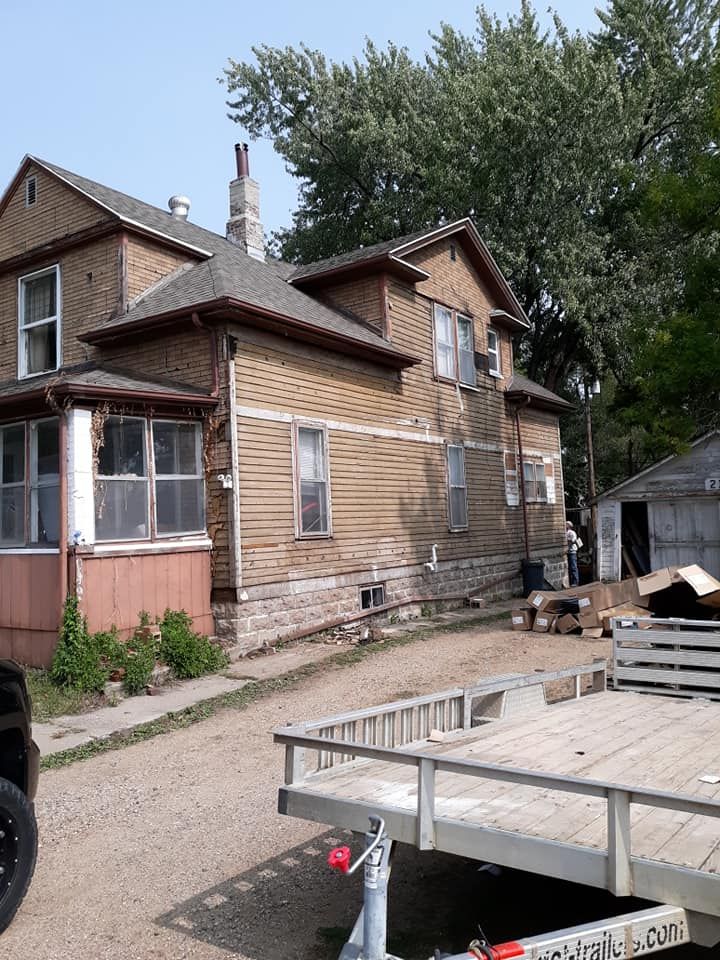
column 294, row 905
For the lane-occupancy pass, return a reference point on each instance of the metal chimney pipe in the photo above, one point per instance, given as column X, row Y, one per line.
column 241, row 160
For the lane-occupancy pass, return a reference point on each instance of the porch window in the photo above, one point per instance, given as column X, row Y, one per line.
column 122, row 484
column 311, row 482
column 457, row 489
column 44, row 482
column 179, row 486
column 39, row 322
column 12, row 485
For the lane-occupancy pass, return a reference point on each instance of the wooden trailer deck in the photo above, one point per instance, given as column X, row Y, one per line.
column 602, row 789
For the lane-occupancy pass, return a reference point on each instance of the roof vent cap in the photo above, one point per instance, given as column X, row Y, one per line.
column 179, row 207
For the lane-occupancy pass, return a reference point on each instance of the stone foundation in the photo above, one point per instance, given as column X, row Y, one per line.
column 282, row 611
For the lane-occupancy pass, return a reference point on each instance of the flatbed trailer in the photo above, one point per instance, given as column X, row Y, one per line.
column 615, row 789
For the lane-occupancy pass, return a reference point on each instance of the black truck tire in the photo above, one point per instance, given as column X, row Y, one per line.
column 18, row 849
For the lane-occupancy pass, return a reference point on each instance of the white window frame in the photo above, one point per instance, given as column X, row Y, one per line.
column 46, row 321
column 539, row 485
column 35, row 482
column 154, row 476
column 17, row 483
column 368, row 588
column 494, row 369
column 453, row 527
column 321, row 428
column 455, row 317
column 147, row 479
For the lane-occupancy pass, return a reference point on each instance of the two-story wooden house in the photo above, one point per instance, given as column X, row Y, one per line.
column 185, row 423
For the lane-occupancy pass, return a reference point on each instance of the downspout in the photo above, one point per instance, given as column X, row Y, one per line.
column 62, row 493
column 521, row 475
column 234, row 506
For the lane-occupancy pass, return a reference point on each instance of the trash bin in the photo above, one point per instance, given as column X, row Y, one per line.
column 533, row 574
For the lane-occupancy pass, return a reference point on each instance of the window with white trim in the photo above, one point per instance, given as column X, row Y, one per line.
column 494, row 362
column 39, row 322
column 312, row 487
column 179, row 482
column 30, row 484
column 454, row 345
column 457, row 490
column 372, row 596
column 534, row 477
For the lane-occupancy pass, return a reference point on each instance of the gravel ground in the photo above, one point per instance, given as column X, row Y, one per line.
column 173, row 848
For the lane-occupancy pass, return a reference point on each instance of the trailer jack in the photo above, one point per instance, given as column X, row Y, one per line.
column 615, row 938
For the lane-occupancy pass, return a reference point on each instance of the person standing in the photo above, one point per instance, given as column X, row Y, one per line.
column 573, row 543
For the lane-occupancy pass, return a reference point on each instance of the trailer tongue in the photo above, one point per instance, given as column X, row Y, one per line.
column 616, row 938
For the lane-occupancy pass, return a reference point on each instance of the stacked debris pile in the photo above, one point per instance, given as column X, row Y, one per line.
column 687, row 592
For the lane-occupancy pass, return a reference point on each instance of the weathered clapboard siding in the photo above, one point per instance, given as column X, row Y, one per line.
column 362, row 298
column 57, row 213
column 148, row 262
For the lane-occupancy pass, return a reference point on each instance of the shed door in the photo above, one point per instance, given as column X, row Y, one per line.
column 684, row 532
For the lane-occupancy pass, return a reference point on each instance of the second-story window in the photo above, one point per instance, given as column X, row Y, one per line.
column 454, row 346
column 39, row 322
column 494, row 366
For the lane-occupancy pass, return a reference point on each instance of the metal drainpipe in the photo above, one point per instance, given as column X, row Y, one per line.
column 235, row 474
column 521, row 477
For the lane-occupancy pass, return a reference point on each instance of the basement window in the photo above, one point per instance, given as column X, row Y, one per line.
column 373, row 596
column 31, row 191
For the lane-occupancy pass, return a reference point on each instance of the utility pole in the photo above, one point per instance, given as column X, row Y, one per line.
column 592, row 490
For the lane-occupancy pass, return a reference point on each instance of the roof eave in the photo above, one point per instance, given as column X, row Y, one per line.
column 229, row 305
column 386, row 262
column 501, row 318
column 543, row 403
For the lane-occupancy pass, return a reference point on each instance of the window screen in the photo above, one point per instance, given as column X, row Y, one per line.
column 457, row 492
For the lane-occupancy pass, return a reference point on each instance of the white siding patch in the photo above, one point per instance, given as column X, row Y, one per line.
column 81, row 494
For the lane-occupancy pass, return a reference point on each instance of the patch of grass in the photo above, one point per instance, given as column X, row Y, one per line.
column 252, row 692
column 50, row 701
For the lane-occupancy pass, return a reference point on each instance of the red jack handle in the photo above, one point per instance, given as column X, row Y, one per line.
column 339, row 859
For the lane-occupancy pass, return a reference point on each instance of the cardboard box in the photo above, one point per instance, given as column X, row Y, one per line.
column 546, row 600
column 543, row 622
column 595, row 597
column 623, row 610
column 522, row 618
column 589, row 617
column 567, row 623
column 702, row 582
column 654, row 582
column 592, row 633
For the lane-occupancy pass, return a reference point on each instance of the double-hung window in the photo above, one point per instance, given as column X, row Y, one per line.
column 179, row 487
column 454, row 346
column 39, row 322
column 535, row 483
column 312, row 487
column 494, row 365
column 457, row 489
column 131, row 474
column 30, row 483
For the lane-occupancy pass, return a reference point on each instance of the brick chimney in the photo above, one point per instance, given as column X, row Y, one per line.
column 244, row 227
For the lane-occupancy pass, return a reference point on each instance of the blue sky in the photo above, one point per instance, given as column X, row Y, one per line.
column 127, row 93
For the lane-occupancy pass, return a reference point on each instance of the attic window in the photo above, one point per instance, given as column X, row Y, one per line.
column 30, row 191
column 453, row 252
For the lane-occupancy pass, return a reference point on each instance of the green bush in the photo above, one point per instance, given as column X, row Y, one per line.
column 139, row 660
column 76, row 664
column 188, row 653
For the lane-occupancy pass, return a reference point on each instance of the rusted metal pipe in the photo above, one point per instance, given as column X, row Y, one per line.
column 242, row 160
column 521, row 478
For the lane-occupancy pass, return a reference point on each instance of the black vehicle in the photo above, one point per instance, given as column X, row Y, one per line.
column 19, row 766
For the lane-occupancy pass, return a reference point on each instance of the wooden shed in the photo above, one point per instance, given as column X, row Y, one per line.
column 667, row 514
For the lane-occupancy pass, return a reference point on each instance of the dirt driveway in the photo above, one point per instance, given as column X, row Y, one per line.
column 172, row 848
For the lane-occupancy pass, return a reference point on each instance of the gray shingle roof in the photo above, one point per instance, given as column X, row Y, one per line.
column 521, row 384
column 102, row 376
column 227, row 273
column 357, row 256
